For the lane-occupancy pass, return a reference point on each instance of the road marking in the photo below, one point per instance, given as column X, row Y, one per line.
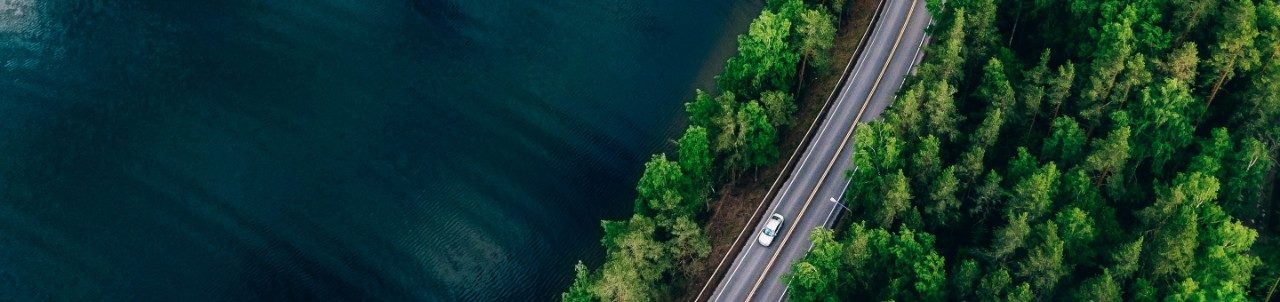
column 839, row 149
column 831, row 213
column 809, row 152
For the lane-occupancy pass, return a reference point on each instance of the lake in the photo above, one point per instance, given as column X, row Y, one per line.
column 330, row 149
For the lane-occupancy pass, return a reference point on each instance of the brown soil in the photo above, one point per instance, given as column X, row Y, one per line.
column 737, row 202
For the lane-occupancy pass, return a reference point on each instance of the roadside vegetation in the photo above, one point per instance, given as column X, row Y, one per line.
column 1072, row 150
column 731, row 134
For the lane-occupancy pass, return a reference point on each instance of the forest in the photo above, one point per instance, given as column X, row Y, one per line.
column 731, row 132
column 1068, row 150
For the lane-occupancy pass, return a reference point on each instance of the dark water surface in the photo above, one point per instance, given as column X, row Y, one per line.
column 331, row 149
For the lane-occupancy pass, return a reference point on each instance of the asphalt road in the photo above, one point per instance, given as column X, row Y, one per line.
column 892, row 51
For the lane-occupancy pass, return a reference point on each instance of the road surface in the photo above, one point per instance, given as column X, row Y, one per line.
column 893, row 50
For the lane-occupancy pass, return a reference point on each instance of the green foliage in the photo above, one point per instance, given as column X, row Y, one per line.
column 702, row 110
column 758, row 136
column 817, row 33
column 687, row 241
column 1246, row 177
column 927, row 161
column 765, row 60
column 658, row 192
column 817, row 274
column 1109, row 153
column 995, row 90
column 897, row 199
column 944, row 206
column 580, row 291
column 1059, row 88
column 940, row 107
column 1114, row 47
column 1034, row 194
column 1044, row 263
column 634, row 265
column 1078, row 233
column 779, row 106
column 696, row 162
column 1163, row 124
column 1103, row 288
column 1065, row 143
column 993, row 285
column 1125, row 259
column 1234, row 49
column 965, row 277
column 1011, row 236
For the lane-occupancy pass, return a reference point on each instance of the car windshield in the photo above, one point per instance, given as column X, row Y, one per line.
column 767, row 232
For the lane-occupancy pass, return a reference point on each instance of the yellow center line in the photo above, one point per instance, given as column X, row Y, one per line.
column 839, row 149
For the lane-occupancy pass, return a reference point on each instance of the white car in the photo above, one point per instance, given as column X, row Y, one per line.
column 770, row 229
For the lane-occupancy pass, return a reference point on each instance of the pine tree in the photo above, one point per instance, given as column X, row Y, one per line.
column 1234, row 51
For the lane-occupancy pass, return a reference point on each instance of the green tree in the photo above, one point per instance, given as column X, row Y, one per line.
column 634, row 265
column 941, row 109
column 944, row 205
column 696, row 163
column 702, row 110
column 1059, row 88
column 980, row 26
column 1077, row 233
column 1223, row 258
column 995, row 90
column 1034, row 194
column 1103, row 288
column 780, row 106
column 1162, row 125
column 897, row 199
column 906, row 112
column 1125, row 260
column 1114, row 47
column 1011, row 236
column 1212, row 153
column 1065, row 143
column 988, row 195
column 757, row 135
column 1247, row 171
column 1109, row 153
column 1234, row 51
column 927, row 160
column 1260, row 106
column 725, row 122
column 658, row 192
column 580, row 291
column 1031, row 92
column 964, row 278
column 947, row 59
column 1023, row 165
column 765, row 60
column 1182, row 62
column 817, row 33
column 994, row 284
column 1189, row 14
column 688, row 242
column 1044, row 266
column 1022, row 293
column 1175, row 219
column 814, row 278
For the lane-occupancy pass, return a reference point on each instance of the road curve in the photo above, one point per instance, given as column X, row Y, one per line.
column 892, row 52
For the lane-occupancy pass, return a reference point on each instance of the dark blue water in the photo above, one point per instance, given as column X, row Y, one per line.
column 331, row 149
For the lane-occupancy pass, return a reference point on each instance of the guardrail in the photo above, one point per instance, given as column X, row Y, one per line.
column 736, row 247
